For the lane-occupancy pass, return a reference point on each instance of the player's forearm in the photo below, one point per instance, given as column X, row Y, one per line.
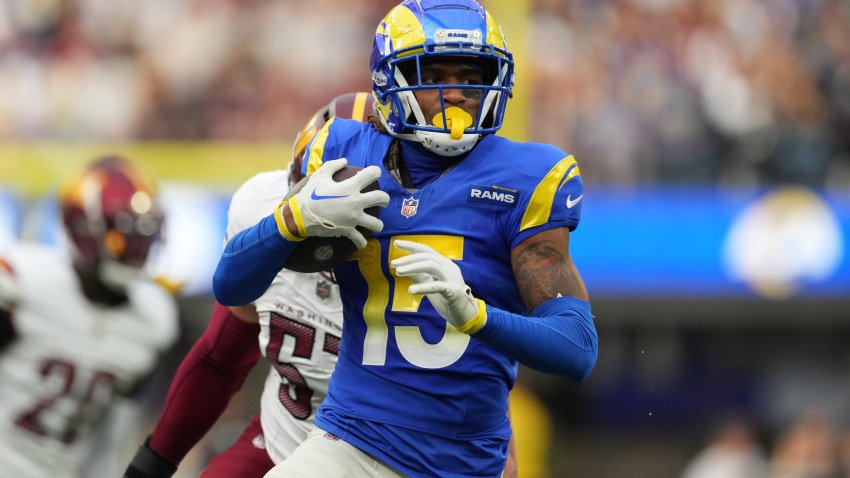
column 212, row 372
column 250, row 262
column 558, row 338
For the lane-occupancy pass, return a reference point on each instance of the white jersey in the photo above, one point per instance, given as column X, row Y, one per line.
column 300, row 328
column 69, row 357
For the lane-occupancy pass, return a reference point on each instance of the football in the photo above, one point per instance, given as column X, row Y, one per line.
column 316, row 254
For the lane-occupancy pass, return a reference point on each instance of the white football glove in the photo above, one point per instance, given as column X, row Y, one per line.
column 326, row 208
column 441, row 281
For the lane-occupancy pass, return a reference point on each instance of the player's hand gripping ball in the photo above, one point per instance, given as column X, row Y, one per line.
column 318, row 253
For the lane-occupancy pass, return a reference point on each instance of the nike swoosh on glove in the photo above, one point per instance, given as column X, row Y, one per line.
column 326, row 208
column 440, row 279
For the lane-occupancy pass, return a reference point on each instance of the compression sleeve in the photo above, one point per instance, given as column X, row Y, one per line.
column 212, row 372
column 249, row 263
column 558, row 338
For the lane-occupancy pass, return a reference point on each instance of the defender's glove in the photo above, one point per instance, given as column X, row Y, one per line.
column 326, row 208
column 148, row 464
column 441, row 281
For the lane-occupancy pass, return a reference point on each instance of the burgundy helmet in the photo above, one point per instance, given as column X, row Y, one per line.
column 355, row 106
column 111, row 218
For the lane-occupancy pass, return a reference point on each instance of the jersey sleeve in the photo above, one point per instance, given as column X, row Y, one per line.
column 555, row 200
column 255, row 199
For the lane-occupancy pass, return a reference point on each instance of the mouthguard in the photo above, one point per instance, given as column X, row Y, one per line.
column 457, row 120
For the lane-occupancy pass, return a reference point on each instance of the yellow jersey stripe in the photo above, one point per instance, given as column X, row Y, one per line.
column 574, row 171
column 540, row 206
column 317, row 149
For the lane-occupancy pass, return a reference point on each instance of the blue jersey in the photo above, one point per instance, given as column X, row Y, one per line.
column 408, row 388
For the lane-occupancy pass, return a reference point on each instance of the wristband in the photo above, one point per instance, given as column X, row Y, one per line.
column 475, row 324
column 281, row 224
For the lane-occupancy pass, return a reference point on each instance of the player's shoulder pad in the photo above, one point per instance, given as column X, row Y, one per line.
column 333, row 140
column 550, row 178
column 255, row 199
column 534, row 159
column 536, row 165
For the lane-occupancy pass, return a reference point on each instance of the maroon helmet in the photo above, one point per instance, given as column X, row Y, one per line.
column 111, row 219
column 349, row 106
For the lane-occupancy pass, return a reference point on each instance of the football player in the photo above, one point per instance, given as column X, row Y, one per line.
column 303, row 308
column 467, row 273
column 79, row 330
column 297, row 323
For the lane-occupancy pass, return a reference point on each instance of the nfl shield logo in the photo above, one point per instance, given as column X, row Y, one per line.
column 323, row 289
column 408, row 207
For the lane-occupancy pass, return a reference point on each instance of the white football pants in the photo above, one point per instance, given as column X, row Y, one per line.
column 323, row 455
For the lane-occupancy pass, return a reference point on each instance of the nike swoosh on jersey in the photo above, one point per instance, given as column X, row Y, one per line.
column 316, row 197
column 572, row 202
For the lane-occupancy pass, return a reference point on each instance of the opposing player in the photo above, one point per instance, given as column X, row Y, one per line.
column 476, row 224
column 298, row 322
column 79, row 331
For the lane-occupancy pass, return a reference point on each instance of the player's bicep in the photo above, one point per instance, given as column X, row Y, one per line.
column 544, row 269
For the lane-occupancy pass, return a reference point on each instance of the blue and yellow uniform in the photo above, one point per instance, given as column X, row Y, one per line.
column 408, row 387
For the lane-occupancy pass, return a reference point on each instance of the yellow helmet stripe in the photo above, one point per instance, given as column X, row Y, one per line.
column 317, row 149
column 404, row 29
column 540, row 206
column 495, row 36
column 306, row 134
column 359, row 109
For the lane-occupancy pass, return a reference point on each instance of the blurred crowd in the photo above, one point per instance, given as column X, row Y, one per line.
column 730, row 91
column 242, row 70
column 738, row 91
column 811, row 447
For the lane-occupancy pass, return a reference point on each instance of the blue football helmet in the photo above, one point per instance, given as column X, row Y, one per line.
column 418, row 32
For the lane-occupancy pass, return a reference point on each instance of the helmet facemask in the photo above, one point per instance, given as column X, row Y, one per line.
column 397, row 76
